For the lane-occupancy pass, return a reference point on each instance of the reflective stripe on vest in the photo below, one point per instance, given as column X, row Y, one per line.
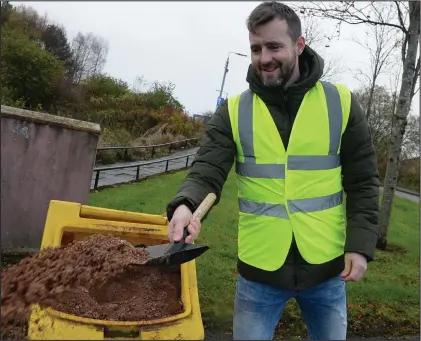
column 249, row 167
column 302, row 205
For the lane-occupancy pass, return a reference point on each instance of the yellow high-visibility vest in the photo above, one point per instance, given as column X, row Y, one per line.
column 296, row 191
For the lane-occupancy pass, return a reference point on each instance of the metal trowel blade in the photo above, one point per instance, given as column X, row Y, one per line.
column 160, row 257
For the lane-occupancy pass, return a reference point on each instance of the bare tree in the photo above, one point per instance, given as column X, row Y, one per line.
column 395, row 77
column 416, row 79
column 385, row 43
column 314, row 37
column 411, row 139
column 333, row 70
column 99, row 50
column 138, row 84
column 89, row 55
column 406, row 19
column 381, row 101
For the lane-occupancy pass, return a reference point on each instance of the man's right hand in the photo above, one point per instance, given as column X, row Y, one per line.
column 181, row 219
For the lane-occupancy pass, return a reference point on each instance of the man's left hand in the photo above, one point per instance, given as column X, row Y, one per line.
column 355, row 267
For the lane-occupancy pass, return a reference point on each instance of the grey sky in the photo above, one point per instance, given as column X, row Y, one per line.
column 187, row 43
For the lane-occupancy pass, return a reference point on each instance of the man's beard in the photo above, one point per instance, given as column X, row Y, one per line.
column 285, row 74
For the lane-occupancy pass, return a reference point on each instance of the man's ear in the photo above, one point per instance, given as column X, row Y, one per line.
column 300, row 45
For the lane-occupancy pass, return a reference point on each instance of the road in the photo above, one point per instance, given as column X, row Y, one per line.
column 118, row 176
column 403, row 193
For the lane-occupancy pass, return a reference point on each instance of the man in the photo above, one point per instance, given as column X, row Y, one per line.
column 297, row 143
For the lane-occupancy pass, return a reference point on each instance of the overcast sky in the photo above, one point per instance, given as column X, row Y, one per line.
column 187, row 43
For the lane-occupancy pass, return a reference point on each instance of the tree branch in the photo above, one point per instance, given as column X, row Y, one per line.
column 400, row 17
column 346, row 16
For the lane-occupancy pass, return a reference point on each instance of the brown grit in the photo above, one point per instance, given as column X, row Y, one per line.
column 89, row 278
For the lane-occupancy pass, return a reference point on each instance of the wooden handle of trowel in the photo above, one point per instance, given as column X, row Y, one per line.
column 204, row 206
column 200, row 212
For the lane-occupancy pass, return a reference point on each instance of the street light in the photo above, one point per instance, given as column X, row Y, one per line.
column 226, row 70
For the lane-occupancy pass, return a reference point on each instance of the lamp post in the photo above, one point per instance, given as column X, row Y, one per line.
column 226, row 70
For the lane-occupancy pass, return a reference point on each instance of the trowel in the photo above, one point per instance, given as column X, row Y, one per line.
column 176, row 253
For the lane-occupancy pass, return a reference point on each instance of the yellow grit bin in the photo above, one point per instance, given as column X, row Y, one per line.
column 68, row 221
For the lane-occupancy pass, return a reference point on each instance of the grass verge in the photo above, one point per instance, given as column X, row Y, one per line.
column 386, row 302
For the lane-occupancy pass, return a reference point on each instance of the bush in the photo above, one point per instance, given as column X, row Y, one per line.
column 113, row 138
column 29, row 73
column 105, row 86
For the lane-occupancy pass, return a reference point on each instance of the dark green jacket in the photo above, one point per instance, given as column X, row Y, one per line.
column 216, row 155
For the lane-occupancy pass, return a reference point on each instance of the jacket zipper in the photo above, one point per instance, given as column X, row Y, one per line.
column 286, row 108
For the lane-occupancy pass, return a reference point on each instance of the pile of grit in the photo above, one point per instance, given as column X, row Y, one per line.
column 91, row 278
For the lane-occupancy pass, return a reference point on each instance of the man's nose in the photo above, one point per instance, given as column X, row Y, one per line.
column 266, row 56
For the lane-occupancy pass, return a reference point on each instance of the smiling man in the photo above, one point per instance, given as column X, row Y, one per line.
column 274, row 57
column 298, row 144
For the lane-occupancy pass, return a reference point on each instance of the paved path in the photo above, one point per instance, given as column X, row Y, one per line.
column 118, row 176
column 412, row 197
column 406, row 194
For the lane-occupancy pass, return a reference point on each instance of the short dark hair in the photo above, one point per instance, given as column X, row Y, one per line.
column 269, row 10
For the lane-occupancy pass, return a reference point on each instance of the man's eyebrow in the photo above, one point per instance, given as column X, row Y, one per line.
column 267, row 43
column 273, row 42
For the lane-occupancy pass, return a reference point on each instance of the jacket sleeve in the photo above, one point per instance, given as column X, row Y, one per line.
column 361, row 184
column 211, row 165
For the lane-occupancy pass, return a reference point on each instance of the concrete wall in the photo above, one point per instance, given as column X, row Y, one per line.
column 43, row 157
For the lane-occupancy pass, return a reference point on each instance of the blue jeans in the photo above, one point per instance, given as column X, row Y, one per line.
column 258, row 309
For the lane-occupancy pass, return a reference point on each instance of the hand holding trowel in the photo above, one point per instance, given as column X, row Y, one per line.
column 180, row 252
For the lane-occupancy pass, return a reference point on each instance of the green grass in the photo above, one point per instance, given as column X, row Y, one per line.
column 386, row 302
